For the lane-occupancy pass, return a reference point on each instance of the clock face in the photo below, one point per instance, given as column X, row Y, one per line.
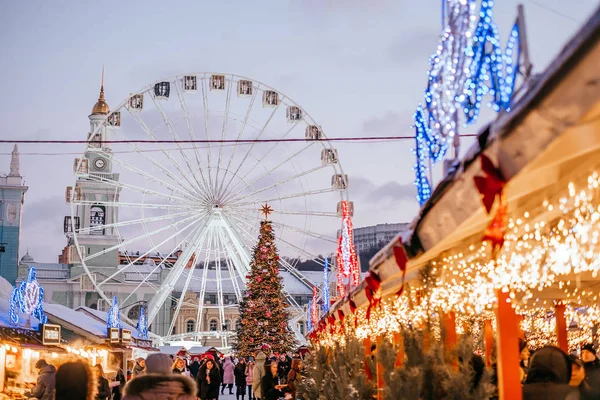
column 100, row 163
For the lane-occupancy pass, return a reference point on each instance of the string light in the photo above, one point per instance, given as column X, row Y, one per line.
column 28, row 298
column 467, row 65
column 309, row 324
column 113, row 319
column 325, row 288
column 543, row 248
column 347, row 262
column 314, row 311
column 142, row 325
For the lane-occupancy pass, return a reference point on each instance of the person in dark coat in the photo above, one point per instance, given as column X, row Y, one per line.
column 578, row 380
column 194, row 368
column 103, row 387
column 75, row 381
column 240, row 378
column 592, row 366
column 139, row 367
column 117, row 390
column 524, row 355
column 270, row 386
column 209, row 381
column 44, row 387
column 549, row 376
column 283, row 367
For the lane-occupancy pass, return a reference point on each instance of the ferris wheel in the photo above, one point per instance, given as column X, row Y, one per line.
column 183, row 217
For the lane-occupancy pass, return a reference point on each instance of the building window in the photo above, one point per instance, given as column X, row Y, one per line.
column 97, row 215
column 238, row 324
column 301, row 327
column 226, row 325
column 212, row 325
column 190, row 326
column 134, row 312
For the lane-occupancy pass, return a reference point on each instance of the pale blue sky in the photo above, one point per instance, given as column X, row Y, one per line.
column 358, row 67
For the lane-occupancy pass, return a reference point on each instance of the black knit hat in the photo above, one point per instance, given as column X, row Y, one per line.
column 589, row 347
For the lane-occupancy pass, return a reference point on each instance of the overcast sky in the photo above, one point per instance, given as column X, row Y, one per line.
column 357, row 66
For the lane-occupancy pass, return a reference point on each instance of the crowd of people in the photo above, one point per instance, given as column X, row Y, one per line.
column 161, row 376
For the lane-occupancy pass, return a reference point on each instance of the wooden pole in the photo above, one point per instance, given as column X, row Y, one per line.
column 399, row 346
column 509, row 379
column 450, row 340
column 561, row 327
column 367, row 347
column 488, row 337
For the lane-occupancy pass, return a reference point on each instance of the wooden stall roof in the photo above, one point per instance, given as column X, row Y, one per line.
column 552, row 130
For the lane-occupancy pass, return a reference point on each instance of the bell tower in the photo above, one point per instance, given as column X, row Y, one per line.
column 97, row 192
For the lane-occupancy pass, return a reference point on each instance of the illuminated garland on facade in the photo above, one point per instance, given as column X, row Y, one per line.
column 540, row 251
column 142, row 325
column 113, row 319
column 28, row 298
column 309, row 324
column 314, row 311
column 347, row 262
column 467, row 65
column 325, row 288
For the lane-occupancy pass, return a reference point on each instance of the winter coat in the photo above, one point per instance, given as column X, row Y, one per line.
column 44, row 387
column 183, row 371
column 269, row 392
column 160, row 387
column 283, row 368
column 592, row 374
column 249, row 373
column 293, row 379
column 240, row 374
column 138, row 370
column 194, row 368
column 103, row 389
column 228, row 372
column 208, row 390
column 258, row 373
column 548, row 376
column 117, row 390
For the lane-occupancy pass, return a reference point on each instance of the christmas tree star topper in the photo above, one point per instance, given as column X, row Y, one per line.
column 266, row 209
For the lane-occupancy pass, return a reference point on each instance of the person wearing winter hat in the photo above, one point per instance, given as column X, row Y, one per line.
column 591, row 365
column 140, row 367
column 158, row 363
column 549, row 376
column 44, row 387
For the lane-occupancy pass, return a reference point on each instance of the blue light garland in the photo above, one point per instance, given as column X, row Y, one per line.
column 325, row 288
column 28, row 298
column 142, row 325
column 467, row 65
column 113, row 319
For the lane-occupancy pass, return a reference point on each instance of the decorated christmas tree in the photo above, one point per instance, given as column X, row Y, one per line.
column 263, row 314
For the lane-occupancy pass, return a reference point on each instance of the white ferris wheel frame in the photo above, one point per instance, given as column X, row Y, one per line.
column 184, row 186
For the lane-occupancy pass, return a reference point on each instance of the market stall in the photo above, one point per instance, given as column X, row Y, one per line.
column 505, row 248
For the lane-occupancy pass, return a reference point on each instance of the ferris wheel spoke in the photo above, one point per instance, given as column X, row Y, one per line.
column 290, row 196
column 254, row 143
column 136, row 221
column 232, row 270
column 203, row 189
column 186, row 284
column 202, row 292
column 290, row 212
column 153, row 178
column 259, row 161
column 241, row 132
column 121, row 185
column 206, row 131
column 184, row 240
column 306, row 232
column 240, row 193
column 220, row 304
column 169, row 283
column 223, row 129
column 134, row 205
column 192, row 134
column 189, row 185
column 148, row 252
column 136, row 239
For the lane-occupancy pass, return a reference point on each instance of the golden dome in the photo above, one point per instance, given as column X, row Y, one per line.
column 101, row 107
